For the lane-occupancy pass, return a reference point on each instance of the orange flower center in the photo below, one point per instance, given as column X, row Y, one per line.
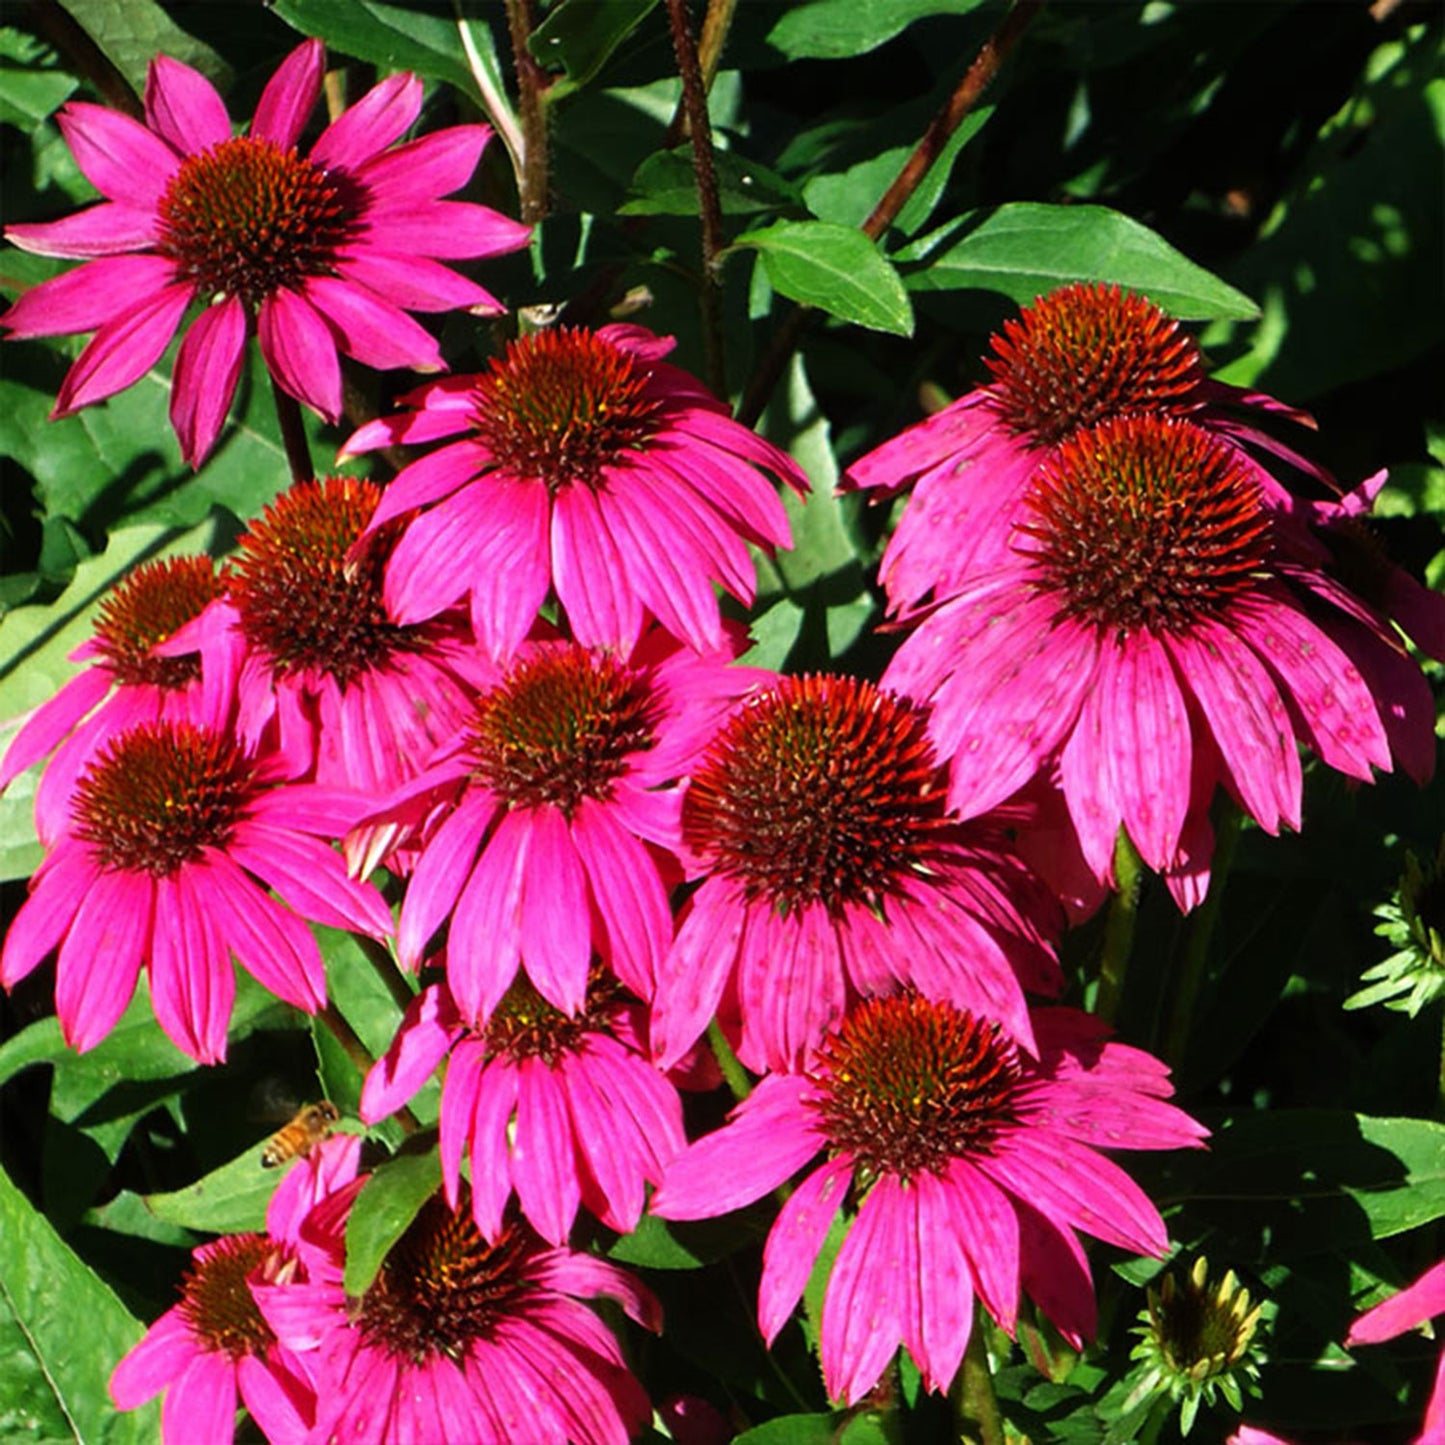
column 246, row 218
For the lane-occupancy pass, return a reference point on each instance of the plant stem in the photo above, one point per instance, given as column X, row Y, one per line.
column 387, row 970
column 1119, row 927
column 715, row 25
column 1201, row 935
column 293, row 434
column 734, row 1075
column 976, row 1413
column 531, row 83
column 694, row 99
column 966, row 95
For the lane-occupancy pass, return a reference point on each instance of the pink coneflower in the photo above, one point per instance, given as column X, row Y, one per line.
column 1369, row 601
column 314, row 254
column 970, row 1167
column 458, row 1341
column 173, row 838
column 133, row 678
column 1412, row 1306
column 560, row 817
column 1079, row 356
column 833, row 870
column 1148, row 634
column 588, row 465
column 355, row 700
column 563, row 1111
column 214, row 1344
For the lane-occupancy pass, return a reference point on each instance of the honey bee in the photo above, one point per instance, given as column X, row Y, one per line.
column 308, row 1127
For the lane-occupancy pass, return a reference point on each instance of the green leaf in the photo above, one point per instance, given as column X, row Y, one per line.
column 231, row 1199
column 665, row 185
column 392, row 37
column 133, row 32
column 848, row 197
column 792, row 1430
column 365, row 1002
column 29, row 89
column 1349, row 263
column 841, row 29
column 1025, row 250
column 1386, row 1175
column 62, row 1332
column 836, row 268
column 580, row 35
column 826, row 604
column 386, row 1206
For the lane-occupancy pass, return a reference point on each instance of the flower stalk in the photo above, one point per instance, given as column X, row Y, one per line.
column 694, row 99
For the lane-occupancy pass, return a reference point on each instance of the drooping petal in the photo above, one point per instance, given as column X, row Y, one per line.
column 201, row 1403
column 375, row 332
column 629, row 895
column 440, row 874
column 124, row 349
column 491, row 1167
column 691, row 978
column 300, row 351
column 1336, row 711
column 544, row 1158
column 101, row 956
column 767, row 1137
column 590, row 574
column 427, row 1030
column 863, row 1309
column 484, row 947
column 794, row 1241
column 208, row 366
column 1247, row 721
column 193, row 985
column 57, row 892
column 152, row 1364
column 270, row 941
column 465, row 1071
column 555, row 913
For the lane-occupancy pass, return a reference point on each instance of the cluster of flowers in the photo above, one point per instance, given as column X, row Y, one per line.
column 506, row 678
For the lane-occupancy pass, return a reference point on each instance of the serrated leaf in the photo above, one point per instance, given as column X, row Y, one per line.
column 835, row 268
column 580, row 35
column 1026, row 249
column 665, row 185
column 386, row 1206
column 840, row 29
column 62, row 1331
